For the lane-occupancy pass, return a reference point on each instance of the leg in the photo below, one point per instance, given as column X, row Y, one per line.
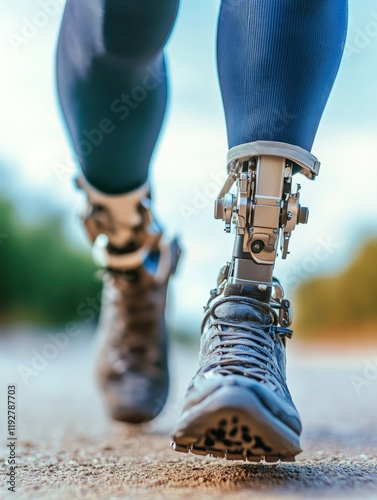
column 277, row 65
column 112, row 87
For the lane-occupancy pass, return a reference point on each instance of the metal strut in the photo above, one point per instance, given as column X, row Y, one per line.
column 264, row 211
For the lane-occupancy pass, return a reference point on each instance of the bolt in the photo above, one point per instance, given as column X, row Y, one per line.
column 303, row 215
column 257, row 246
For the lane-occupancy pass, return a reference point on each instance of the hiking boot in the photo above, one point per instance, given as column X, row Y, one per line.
column 132, row 366
column 238, row 405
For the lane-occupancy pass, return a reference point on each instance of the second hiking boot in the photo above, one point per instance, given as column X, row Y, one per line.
column 132, row 366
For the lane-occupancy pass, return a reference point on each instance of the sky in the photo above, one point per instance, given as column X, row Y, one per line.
column 191, row 154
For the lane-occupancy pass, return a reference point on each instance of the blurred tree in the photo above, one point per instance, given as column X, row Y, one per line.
column 43, row 279
column 343, row 303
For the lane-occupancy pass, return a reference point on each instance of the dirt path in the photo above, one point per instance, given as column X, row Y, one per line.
column 68, row 449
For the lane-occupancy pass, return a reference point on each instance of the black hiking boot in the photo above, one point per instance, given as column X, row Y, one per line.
column 238, row 405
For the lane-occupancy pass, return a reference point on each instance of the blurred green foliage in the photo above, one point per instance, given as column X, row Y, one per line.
column 342, row 303
column 43, row 279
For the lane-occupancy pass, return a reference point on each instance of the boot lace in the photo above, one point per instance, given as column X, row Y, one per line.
column 246, row 349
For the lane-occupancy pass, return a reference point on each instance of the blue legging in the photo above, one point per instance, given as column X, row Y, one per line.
column 277, row 61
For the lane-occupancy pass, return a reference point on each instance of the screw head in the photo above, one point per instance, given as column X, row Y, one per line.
column 257, row 246
column 262, row 287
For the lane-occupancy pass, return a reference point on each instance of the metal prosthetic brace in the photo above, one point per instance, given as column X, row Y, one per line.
column 265, row 211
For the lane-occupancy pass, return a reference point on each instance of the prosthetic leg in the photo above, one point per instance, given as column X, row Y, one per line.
column 132, row 367
column 265, row 212
column 238, row 405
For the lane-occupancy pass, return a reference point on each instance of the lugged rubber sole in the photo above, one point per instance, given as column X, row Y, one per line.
column 232, row 423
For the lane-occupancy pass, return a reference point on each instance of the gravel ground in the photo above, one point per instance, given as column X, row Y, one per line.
column 67, row 448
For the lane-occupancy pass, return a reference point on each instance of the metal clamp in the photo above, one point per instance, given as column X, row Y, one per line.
column 264, row 209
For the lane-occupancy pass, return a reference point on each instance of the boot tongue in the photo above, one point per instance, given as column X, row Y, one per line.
column 239, row 311
column 251, row 291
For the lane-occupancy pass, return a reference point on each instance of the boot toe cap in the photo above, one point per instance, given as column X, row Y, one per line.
column 135, row 398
